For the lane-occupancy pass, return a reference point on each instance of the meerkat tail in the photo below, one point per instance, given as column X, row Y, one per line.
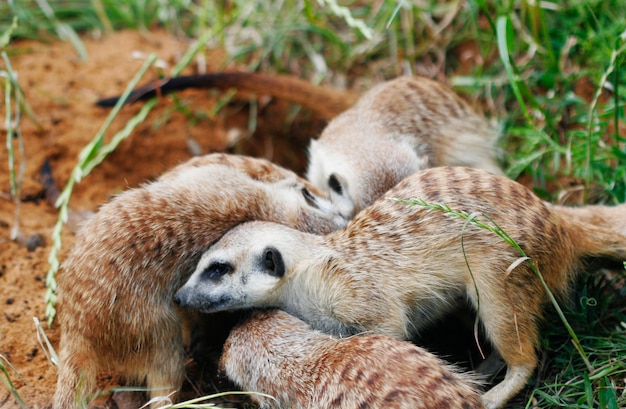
column 612, row 218
column 598, row 241
column 326, row 101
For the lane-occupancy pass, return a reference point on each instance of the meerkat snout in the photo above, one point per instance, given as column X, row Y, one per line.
column 178, row 300
column 223, row 282
column 213, row 273
column 218, row 274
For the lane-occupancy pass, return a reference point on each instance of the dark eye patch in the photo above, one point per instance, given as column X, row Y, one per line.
column 216, row 270
column 334, row 184
column 310, row 199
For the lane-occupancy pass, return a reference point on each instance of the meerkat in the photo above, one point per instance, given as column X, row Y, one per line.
column 117, row 284
column 277, row 354
column 396, row 268
column 372, row 142
column 395, row 129
column 429, row 119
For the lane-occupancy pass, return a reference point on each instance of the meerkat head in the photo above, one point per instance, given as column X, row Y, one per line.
column 244, row 269
column 315, row 212
column 281, row 195
column 355, row 180
column 331, row 172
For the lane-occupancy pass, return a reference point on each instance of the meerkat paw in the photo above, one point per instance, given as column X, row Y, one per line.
column 513, row 382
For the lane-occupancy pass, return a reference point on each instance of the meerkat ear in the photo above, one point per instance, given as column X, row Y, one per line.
column 273, row 262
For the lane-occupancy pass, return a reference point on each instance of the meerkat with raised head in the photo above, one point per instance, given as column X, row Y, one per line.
column 395, row 129
column 277, row 354
column 396, row 268
column 117, row 284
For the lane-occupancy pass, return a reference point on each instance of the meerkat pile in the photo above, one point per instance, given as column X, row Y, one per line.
column 395, row 268
column 116, row 286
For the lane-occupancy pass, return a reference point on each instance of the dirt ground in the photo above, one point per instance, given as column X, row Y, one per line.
column 62, row 90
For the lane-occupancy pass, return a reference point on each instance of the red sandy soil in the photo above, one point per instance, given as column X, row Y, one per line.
column 62, row 90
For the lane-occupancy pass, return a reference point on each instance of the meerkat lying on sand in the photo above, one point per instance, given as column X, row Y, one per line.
column 117, row 284
column 277, row 354
column 396, row 268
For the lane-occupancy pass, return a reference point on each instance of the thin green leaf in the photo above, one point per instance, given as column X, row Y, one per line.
column 5, row 38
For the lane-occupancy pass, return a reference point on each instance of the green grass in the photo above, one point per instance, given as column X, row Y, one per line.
column 549, row 73
column 5, row 379
column 551, row 131
column 13, row 96
column 599, row 317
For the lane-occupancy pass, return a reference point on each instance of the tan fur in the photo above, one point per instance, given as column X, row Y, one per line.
column 256, row 169
column 116, row 286
column 395, row 129
column 608, row 217
column 277, row 354
column 396, row 268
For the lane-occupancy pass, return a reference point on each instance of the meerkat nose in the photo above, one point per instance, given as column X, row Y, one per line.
column 183, row 296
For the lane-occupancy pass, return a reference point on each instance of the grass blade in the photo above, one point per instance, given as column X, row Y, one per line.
column 503, row 37
column 5, row 365
column 64, row 31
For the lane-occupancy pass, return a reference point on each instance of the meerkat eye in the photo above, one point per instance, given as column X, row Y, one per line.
column 334, row 184
column 216, row 270
column 310, row 199
column 273, row 262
